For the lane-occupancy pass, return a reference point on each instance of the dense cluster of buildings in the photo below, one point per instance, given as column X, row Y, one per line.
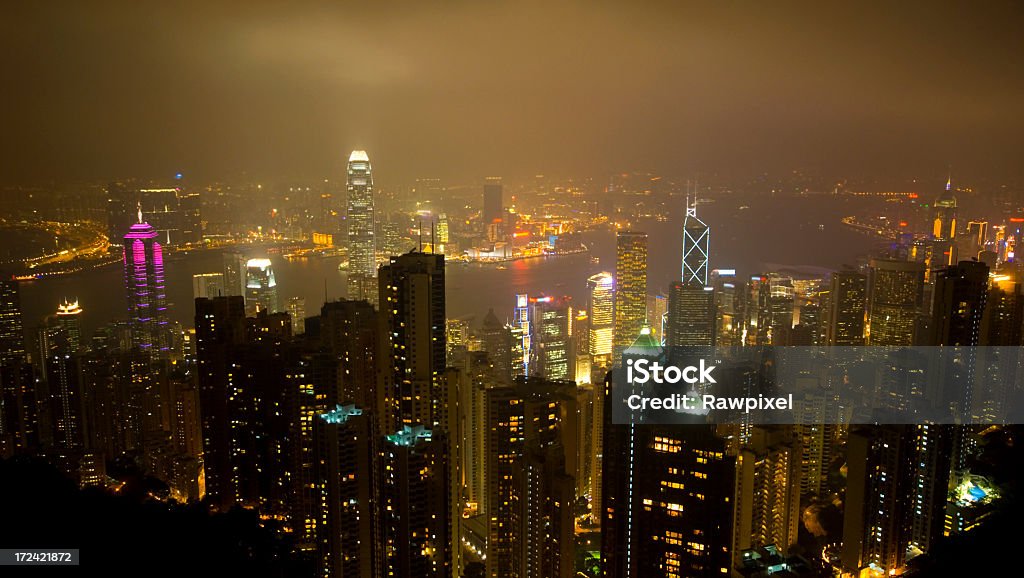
column 387, row 440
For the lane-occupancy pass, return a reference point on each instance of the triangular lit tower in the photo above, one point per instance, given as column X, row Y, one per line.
column 144, row 286
column 691, row 306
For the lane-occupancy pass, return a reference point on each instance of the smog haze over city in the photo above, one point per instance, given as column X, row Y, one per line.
column 512, row 289
column 874, row 91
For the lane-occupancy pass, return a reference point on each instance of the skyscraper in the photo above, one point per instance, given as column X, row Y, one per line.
column 362, row 249
column 69, row 318
column 895, row 297
column 260, row 287
column 691, row 316
column 630, row 288
column 12, row 338
column 601, row 313
column 297, row 311
column 234, row 274
column 345, row 468
column 144, row 285
column 691, row 301
column 414, row 345
column 550, row 346
column 696, row 248
column 531, row 457
column 415, row 504
column 767, row 490
column 844, row 318
column 208, row 285
column 944, row 222
column 493, row 203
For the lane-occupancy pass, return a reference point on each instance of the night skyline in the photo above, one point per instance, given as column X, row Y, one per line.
column 877, row 91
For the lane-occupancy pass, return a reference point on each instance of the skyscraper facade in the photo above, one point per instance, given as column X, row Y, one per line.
column 12, row 338
column 260, row 287
column 895, row 297
column 696, row 248
column 493, row 202
column 69, row 318
column 362, row 249
column 601, row 313
column 414, row 345
column 844, row 317
column 146, row 292
column 630, row 288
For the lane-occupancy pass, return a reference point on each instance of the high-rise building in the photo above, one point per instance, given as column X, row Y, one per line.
column 18, row 415
column 496, row 338
column 208, row 285
column 895, row 298
column 958, row 303
column 260, row 287
column 362, row 249
column 696, row 248
column 728, row 307
column 12, row 338
column 220, row 326
column 550, row 341
column 531, row 459
column 349, row 331
column 757, row 311
column 234, row 274
column 520, row 330
column 630, row 288
column 657, row 314
column 897, row 484
column 844, row 319
column 297, row 311
column 412, row 303
column 144, row 284
column 69, row 318
column 349, row 521
column 944, row 221
column 493, row 207
column 767, row 498
column 691, row 316
column 667, row 494
column 601, row 313
column 415, row 496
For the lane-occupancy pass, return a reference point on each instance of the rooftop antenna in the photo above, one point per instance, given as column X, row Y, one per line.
column 139, row 206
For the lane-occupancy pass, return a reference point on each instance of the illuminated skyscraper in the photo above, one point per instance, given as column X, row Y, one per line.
column 691, row 316
column 412, row 302
column 69, row 318
column 362, row 249
column 550, row 329
column 630, row 288
column 844, row 317
column 144, row 285
column 260, row 287
column 696, row 248
column 415, row 502
column 691, row 301
column 895, row 297
column 297, row 311
column 601, row 312
column 520, row 329
column 944, row 222
column 767, row 490
column 532, row 451
column 345, row 470
column 12, row 338
column 234, row 274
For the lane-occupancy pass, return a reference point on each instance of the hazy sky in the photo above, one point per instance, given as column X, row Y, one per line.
column 94, row 90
